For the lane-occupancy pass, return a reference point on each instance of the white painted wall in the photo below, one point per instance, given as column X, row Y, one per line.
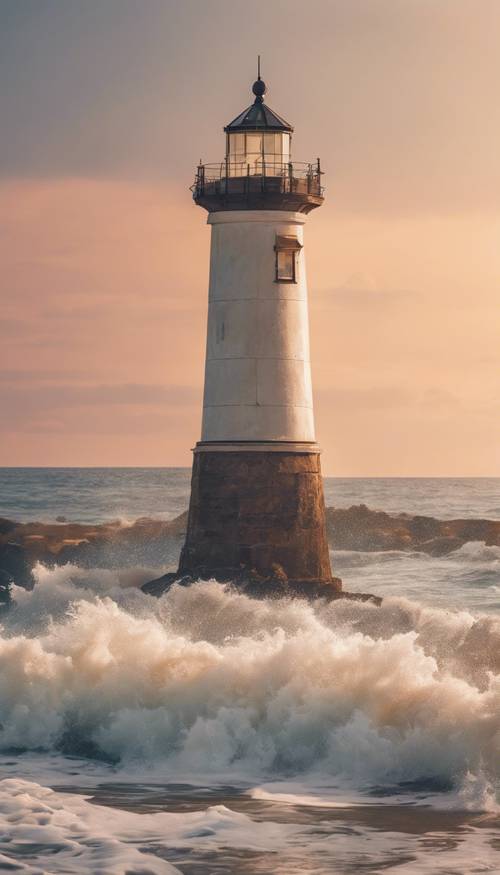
column 257, row 373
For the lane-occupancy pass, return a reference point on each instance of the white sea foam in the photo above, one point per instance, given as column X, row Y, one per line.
column 477, row 551
column 66, row 834
column 464, row 578
column 42, row 831
column 209, row 681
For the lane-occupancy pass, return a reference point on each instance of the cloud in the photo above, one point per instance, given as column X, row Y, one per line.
column 70, row 395
column 396, row 397
column 43, row 407
column 41, row 376
column 360, row 291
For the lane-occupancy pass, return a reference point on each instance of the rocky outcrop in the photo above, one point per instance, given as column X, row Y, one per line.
column 359, row 528
column 275, row 585
column 146, row 542
column 5, row 591
column 15, row 564
column 157, row 543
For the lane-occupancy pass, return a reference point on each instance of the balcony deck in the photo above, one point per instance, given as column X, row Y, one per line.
column 295, row 187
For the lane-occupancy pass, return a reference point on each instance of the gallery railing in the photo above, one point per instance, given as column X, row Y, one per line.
column 237, row 178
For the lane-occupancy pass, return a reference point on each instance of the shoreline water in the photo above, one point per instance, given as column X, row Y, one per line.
column 96, row 495
column 208, row 732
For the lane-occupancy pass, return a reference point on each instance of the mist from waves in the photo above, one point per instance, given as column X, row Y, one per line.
column 207, row 682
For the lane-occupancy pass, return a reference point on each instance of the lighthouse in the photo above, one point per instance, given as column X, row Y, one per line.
column 257, row 508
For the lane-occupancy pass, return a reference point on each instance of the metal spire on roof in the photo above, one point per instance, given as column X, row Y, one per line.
column 259, row 86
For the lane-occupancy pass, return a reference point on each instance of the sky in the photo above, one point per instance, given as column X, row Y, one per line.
column 106, row 107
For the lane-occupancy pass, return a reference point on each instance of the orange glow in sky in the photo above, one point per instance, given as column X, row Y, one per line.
column 104, row 258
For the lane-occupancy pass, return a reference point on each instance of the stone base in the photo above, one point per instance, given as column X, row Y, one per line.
column 261, row 588
column 260, row 514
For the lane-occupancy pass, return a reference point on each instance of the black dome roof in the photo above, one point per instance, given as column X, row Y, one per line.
column 258, row 116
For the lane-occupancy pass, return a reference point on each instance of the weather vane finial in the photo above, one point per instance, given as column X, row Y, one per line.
column 259, row 86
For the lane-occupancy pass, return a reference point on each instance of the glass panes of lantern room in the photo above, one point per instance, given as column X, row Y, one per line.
column 258, row 154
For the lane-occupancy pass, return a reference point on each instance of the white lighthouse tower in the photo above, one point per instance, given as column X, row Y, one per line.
column 257, row 497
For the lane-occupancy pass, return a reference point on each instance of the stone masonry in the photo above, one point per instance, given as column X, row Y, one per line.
column 257, row 512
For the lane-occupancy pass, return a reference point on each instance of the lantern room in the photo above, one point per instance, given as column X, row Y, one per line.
column 258, row 140
column 257, row 172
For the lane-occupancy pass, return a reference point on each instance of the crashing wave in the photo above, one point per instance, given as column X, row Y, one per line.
column 206, row 680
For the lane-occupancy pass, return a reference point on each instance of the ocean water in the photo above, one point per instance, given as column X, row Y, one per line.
column 206, row 732
column 92, row 495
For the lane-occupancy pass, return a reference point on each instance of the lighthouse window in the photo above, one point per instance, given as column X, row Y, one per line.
column 256, row 153
column 285, row 266
column 287, row 249
column 285, row 147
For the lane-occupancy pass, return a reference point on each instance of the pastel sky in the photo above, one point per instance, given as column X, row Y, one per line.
column 106, row 107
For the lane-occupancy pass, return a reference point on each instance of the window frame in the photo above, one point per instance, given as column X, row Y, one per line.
column 286, row 279
column 263, row 161
column 289, row 245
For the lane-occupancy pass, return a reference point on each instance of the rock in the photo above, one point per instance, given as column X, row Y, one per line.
column 256, row 586
column 5, row 591
column 108, row 545
column 6, row 526
column 440, row 546
column 161, row 585
column 15, row 565
column 359, row 528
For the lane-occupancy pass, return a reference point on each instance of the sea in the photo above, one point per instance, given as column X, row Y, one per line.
column 207, row 732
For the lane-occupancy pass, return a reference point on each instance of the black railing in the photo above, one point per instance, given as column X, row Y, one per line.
column 232, row 177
